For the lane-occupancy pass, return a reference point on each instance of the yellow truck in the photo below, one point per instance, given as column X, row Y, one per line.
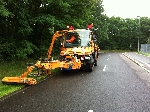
column 78, row 49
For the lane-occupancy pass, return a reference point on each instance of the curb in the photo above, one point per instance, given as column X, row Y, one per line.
column 135, row 61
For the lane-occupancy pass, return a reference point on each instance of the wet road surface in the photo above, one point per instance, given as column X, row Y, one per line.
column 115, row 85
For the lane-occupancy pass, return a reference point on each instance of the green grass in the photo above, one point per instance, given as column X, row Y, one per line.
column 15, row 68
column 145, row 54
column 7, row 89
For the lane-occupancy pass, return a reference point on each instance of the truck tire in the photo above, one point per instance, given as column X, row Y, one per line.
column 95, row 63
column 91, row 64
column 90, row 67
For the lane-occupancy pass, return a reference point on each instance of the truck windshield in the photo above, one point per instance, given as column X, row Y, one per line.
column 77, row 38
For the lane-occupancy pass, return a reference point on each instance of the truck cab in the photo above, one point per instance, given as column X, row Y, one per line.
column 83, row 47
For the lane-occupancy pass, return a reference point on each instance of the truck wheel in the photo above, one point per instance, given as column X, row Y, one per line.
column 90, row 67
column 95, row 63
column 90, row 64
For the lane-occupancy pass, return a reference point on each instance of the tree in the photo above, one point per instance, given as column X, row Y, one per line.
column 34, row 22
column 3, row 9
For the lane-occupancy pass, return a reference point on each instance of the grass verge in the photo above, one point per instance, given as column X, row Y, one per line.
column 14, row 68
column 144, row 54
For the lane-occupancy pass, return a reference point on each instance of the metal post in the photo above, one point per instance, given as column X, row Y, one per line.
column 139, row 34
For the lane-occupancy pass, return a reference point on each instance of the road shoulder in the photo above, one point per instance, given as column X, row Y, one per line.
column 139, row 70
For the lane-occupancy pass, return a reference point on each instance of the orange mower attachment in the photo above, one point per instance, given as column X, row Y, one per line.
column 22, row 79
column 18, row 80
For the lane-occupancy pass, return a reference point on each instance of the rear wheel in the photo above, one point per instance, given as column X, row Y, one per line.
column 95, row 63
column 90, row 67
column 95, row 57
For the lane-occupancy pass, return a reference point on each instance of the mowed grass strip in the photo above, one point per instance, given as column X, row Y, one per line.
column 16, row 68
column 145, row 54
column 7, row 89
column 9, row 69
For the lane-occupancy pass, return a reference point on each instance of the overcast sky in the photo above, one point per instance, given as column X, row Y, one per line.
column 127, row 8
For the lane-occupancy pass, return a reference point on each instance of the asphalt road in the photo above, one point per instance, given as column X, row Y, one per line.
column 116, row 85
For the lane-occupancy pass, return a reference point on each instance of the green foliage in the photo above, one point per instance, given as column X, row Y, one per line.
column 12, row 50
column 148, row 40
column 24, row 49
column 27, row 26
column 124, row 33
column 3, row 10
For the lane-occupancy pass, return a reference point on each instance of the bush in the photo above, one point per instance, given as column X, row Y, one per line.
column 12, row 50
column 25, row 48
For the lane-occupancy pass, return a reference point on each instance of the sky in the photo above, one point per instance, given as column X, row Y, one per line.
column 127, row 8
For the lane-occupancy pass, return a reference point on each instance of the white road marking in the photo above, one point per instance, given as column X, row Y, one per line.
column 90, row 111
column 104, row 68
column 141, row 61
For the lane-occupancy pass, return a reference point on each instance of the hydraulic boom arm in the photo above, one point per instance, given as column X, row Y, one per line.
column 55, row 36
column 22, row 79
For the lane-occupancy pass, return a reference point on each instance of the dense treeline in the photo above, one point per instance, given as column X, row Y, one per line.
column 123, row 34
column 28, row 25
